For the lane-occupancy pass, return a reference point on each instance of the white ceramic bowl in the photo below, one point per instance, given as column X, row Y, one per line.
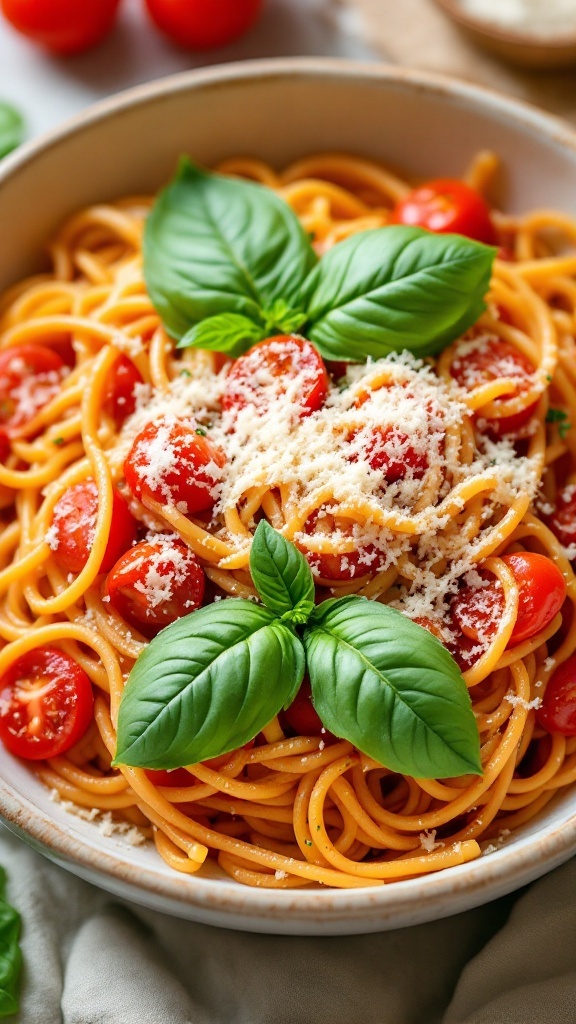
column 279, row 111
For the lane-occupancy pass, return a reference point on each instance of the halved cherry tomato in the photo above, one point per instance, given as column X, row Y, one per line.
column 62, row 26
column 176, row 777
column 542, row 589
column 447, row 205
column 267, row 370
column 489, row 361
column 562, row 522
column 119, row 397
column 301, row 718
column 74, row 523
column 30, row 377
column 203, row 24
column 340, row 567
column 175, row 464
column 558, row 710
column 390, row 451
column 46, row 704
column 152, row 585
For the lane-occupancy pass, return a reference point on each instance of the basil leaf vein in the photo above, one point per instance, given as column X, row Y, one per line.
column 214, row 244
column 390, row 688
column 395, row 288
column 281, row 575
column 207, row 684
column 10, row 954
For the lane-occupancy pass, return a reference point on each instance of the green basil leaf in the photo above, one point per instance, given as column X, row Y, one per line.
column 281, row 575
column 214, row 244
column 391, row 688
column 280, row 317
column 11, row 128
column 395, row 288
column 207, row 684
column 228, row 332
column 10, row 955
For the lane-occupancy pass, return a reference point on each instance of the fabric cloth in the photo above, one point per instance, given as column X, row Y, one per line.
column 92, row 959
column 417, row 34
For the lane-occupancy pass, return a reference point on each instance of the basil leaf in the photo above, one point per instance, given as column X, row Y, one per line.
column 10, row 955
column 282, row 318
column 395, row 288
column 214, row 244
column 207, row 684
column 281, row 575
column 11, row 128
column 391, row 688
column 227, row 332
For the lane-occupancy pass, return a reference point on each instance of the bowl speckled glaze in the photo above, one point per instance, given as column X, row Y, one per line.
column 279, row 111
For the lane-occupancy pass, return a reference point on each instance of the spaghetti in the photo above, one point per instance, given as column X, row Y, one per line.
column 473, row 469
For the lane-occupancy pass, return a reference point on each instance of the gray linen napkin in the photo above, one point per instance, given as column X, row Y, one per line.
column 92, row 959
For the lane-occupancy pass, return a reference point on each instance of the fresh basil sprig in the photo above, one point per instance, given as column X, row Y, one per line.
column 11, row 128
column 10, row 955
column 212, row 680
column 227, row 263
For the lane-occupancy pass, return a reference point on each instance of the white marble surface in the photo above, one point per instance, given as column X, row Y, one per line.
column 48, row 89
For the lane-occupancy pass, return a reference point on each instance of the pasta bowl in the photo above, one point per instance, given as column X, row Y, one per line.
column 278, row 111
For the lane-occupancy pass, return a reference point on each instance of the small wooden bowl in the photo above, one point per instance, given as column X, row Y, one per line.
column 523, row 48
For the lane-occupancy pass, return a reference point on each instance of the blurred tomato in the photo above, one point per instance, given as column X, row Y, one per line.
column 62, row 26
column 202, row 24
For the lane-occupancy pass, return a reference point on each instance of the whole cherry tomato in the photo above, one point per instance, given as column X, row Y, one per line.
column 558, row 710
column 489, row 361
column 447, row 205
column 203, row 24
column 62, row 26
column 152, row 585
column 74, row 524
column 175, row 464
column 46, row 704
column 267, row 370
column 119, row 397
column 477, row 611
column 30, row 377
column 301, row 718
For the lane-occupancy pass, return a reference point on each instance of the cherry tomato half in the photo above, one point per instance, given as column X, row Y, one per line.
column 558, row 710
column 562, row 522
column 267, row 370
column 542, row 590
column 489, row 361
column 30, row 377
column 74, row 523
column 203, row 24
column 447, row 205
column 152, row 585
column 389, row 450
column 62, row 26
column 119, row 397
column 46, row 704
column 174, row 464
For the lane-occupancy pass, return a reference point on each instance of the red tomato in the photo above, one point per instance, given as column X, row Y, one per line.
column 347, row 566
column 174, row 464
column 163, row 777
column 264, row 373
column 301, row 719
column 74, row 524
column 62, row 26
column 46, row 704
column 203, row 24
column 558, row 710
column 30, row 377
column 152, row 585
column 562, row 522
column 542, row 590
column 119, row 397
column 390, row 451
column 5, row 446
column 491, row 360
column 447, row 206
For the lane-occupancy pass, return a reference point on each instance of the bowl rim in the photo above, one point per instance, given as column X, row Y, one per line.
column 476, row 882
column 507, row 36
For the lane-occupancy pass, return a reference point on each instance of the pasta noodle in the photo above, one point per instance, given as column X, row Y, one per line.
column 297, row 810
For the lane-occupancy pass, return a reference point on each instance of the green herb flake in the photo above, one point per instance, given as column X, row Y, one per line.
column 561, row 419
column 58, row 441
column 200, row 431
column 184, row 373
column 308, row 842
